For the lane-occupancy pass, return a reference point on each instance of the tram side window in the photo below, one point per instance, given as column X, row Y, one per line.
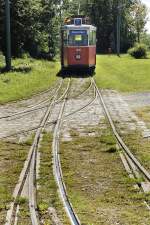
column 65, row 38
column 78, row 40
column 92, row 38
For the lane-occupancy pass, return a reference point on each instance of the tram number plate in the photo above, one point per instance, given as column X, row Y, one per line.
column 78, row 56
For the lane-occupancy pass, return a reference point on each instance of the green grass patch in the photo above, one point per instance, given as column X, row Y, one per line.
column 12, row 157
column 21, row 200
column 123, row 74
column 28, row 77
column 47, row 195
column 24, row 213
column 98, row 186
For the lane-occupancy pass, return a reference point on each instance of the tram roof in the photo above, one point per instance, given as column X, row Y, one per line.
column 81, row 27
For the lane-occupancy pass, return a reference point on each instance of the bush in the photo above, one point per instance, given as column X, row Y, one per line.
column 139, row 51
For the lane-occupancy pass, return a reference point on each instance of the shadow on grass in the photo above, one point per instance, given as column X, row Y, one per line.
column 21, row 69
column 3, row 70
column 80, row 73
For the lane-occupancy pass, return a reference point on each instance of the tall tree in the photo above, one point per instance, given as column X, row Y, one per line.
column 35, row 24
column 50, row 19
column 138, row 18
column 2, row 24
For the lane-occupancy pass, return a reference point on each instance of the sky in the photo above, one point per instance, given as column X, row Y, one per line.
column 147, row 2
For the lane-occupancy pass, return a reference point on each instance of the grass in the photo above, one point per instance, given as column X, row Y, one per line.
column 28, row 77
column 47, row 193
column 144, row 114
column 99, row 188
column 123, row 74
column 31, row 76
column 139, row 146
column 12, row 157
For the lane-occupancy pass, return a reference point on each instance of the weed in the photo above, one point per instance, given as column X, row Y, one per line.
column 43, row 207
column 21, row 200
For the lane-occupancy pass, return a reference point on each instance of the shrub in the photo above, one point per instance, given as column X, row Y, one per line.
column 139, row 51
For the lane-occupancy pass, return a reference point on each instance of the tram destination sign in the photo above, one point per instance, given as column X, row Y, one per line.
column 78, row 32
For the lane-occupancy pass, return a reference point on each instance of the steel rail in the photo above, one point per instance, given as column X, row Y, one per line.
column 54, row 121
column 32, row 173
column 51, row 122
column 26, row 131
column 57, row 102
column 86, row 90
column 133, row 172
column 46, row 91
column 57, row 167
column 83, row 107
column 32, row 177
column 36, row 108
column 31, row 161
column 32, row 106
column 118, row 137
column 32, row 109
column 24, row 113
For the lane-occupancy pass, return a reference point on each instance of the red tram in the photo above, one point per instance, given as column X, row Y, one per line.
column 78, row 48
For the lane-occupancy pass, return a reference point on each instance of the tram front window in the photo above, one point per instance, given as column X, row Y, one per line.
column 78, row 38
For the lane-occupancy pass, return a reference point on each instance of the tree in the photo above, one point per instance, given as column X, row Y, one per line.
column 138, row 20
column 145, row 38
column 104, row 16
column 50, row 26
column 27, row 27
column 35, row 24
column 2, row 24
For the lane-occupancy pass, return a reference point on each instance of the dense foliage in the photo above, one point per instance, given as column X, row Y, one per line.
column 145, row 39
column 104, row 14
column 34, row 27
column 139, row 51
column 35, row 24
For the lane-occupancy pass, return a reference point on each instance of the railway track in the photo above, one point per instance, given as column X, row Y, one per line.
column 131, row 163
column 57, row 167
column 33, row 108
column 84, row 91
column 56, row 159
column 29, row 172
column 50, row 123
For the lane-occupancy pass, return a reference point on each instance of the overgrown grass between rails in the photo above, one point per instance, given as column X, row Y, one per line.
column 144, row 114
column 29, row 77
column 77, row 88
column 98, row 186
column 12, row 157
column 47, row 195
column 123, row 74
column 24, row 211
column 139, row 146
